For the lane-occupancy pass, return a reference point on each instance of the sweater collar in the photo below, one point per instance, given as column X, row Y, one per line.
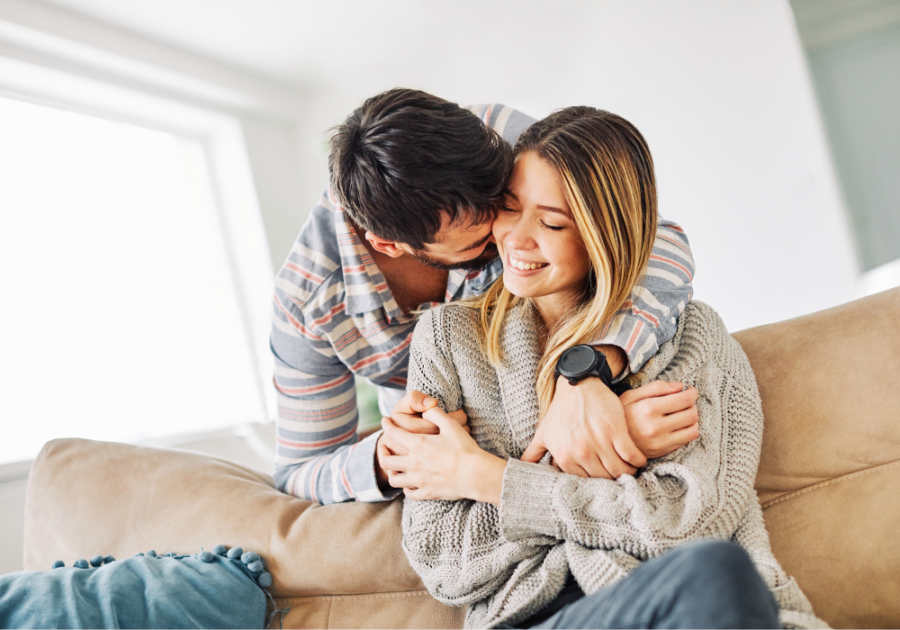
column 518, row 373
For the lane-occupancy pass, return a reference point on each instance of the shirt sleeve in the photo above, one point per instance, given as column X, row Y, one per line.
column 650, row 317
column 506, row 121
column 318, row 453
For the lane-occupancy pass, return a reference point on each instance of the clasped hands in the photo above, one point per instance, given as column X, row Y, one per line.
column 588, row 430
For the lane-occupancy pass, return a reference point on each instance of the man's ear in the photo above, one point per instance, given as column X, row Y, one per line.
column 388, row 248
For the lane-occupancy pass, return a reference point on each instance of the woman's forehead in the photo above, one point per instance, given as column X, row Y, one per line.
column 535, row 182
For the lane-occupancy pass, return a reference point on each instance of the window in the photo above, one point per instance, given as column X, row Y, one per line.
column 121, row 319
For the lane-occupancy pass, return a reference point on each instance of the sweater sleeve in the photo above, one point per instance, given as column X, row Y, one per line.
column 456, row 546
column 701, row 490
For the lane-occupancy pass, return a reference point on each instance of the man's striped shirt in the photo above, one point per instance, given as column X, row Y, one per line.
column 335, row 317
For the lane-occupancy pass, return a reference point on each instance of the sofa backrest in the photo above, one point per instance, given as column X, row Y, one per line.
column 829, row 477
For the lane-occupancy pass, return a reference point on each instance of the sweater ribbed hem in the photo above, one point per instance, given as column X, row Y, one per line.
column 526, row 507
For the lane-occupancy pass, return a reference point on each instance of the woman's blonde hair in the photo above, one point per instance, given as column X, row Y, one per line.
column 606, row 173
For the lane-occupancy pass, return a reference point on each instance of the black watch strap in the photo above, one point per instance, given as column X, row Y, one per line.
column 585, row 361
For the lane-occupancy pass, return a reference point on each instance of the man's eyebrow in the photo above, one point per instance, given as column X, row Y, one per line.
column 476, row 244
column 547, row 208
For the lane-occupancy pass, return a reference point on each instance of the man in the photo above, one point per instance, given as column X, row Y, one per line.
column 405, row 226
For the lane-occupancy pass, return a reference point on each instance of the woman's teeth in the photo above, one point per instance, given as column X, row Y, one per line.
column 524, row 266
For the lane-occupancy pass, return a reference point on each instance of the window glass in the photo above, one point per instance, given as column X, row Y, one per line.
column 117, row 318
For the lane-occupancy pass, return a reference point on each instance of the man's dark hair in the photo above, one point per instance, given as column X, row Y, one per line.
column 405, row 157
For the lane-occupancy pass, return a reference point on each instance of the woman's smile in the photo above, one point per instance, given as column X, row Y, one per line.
column 523, row 267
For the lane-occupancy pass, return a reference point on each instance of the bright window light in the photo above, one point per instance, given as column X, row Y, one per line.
column 119, row 319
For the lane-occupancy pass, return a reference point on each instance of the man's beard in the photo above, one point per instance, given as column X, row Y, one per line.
column 484, row 259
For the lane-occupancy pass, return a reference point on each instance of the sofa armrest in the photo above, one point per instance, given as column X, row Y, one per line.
column 87, row 498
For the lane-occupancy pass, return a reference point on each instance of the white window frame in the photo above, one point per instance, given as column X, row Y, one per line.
column 42, row 61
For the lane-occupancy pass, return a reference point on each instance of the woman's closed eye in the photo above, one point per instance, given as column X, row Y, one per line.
column 508, row 209
column 555, row 228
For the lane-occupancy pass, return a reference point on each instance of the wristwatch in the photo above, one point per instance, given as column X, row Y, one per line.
column 581, row 361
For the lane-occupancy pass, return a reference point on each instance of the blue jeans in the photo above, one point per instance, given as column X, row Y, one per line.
column 704, row 584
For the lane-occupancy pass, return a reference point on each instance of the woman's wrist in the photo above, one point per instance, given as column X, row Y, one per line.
column 485, row 478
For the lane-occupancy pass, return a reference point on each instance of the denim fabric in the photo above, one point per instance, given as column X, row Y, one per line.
column 140, row 592
column 704, row 584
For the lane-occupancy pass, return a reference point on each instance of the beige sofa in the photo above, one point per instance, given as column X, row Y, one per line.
column 829, row 483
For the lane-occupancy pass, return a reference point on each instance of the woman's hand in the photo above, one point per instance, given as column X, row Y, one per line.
column 447, row 466
column 407, row 414
column 661, row 417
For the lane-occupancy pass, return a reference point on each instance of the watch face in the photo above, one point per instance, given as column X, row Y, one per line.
column 577, row 361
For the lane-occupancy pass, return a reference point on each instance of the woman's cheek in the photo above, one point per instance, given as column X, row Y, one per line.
column 504, row 223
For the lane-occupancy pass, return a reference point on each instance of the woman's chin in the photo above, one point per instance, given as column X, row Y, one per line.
column 521, row 287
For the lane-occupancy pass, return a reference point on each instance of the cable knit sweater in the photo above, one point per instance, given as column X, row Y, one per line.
column 510, row 561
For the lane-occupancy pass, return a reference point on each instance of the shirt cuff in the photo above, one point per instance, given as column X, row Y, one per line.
column 361, row 463
column 636, row 338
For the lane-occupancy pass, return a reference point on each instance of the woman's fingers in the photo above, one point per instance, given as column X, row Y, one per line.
column 676, row 430
column 686, row 435
column 676, row 402
column 445, row 422
column 597, row 470
column 681, row 419
column 414, row 424
column 415, row 494
column 393, row 449
column 570, row 467
column 460, row 416
column 398, row 435
column 414, row 402
column 628, row 453
column 402, row 480
column 395, row 463
column 616, row 466
column 650, row 390
column 593, row 467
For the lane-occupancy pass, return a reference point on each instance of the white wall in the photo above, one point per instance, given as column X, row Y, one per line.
column 279, row 174
column 723, row 96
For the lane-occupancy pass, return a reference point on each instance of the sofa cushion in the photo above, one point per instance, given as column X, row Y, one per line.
column 829, row 476
column 86, row 498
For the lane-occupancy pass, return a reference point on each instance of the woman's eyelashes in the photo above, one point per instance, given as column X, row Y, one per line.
column 555, row 228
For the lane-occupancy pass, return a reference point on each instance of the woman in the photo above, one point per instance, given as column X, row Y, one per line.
column 523, row 543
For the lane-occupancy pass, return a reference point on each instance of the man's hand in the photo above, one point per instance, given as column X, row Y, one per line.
column 586, row 432
column 661, row 417
column 407, row 414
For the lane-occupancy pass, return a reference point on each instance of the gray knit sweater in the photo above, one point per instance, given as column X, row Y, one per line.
column 507, row 563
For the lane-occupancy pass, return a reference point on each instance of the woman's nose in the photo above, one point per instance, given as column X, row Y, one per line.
column 519, row 237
